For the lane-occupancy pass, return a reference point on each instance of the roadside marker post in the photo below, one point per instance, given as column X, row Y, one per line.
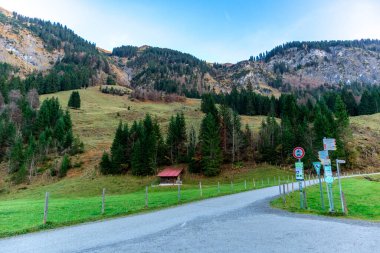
column 179, row 193
column 200, row 188
column 103, row 199
column 245, row 184
column 46, row 209
column 218, row 187
column 254, row 183
column 317, row 167
column 146, row 196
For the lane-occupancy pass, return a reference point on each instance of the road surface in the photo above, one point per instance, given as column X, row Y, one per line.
column 241, row 222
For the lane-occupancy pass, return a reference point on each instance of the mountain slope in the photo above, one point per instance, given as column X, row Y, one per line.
column 32, row 45
column 23, row 49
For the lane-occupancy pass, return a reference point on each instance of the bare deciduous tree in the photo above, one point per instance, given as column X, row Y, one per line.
column 33, row 98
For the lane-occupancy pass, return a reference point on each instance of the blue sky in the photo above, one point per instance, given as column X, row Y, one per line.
column 216, row 31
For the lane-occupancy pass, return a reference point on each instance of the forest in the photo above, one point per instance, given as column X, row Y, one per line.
column 141, row 147
column 31, row 134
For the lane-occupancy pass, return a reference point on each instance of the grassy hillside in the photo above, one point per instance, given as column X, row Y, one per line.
column 100, row 114
column 362, row 198
column 366, row 133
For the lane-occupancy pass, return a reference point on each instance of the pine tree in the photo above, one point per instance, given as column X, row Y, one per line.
column 74, row 100
column 65, row 166
column 191, row 151
column 208, row 105
column 210, row 146
column 117, row 149
column 106, row 164
column 236, row 137
column 270, row 140
column 367, row 104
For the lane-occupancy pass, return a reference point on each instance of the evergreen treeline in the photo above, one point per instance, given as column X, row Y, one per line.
column 28, row 135
column 141, row 147
column 369, row 44
column 164, row 69
column 222, row 139
column 247, row 102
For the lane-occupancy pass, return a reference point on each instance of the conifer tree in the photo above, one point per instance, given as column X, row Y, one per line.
column 210, row 146
column 74, row 100
column 191, row 151
column 106, row 164
column 208, row 105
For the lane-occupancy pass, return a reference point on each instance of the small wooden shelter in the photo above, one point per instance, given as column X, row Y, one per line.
column 170, row 175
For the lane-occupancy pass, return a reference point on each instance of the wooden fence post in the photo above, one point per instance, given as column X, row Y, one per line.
column 46, row 209
column 146, row 196
column 179, row 193
column 103, row 200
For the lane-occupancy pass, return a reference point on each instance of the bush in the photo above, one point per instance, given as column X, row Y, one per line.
column 65, row 166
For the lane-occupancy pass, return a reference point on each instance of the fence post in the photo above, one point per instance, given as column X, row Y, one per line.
column 279, row 189
column 146, row 196
column 179, row 193
column 46, row 207
column 103, row 199
column 200, row 188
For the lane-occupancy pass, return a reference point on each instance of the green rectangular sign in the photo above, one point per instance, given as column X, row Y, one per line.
column 299, row 171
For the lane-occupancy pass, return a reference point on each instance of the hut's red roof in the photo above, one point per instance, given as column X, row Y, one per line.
column 170, row 172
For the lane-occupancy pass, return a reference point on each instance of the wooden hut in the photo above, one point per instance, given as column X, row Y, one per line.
column 170, row 176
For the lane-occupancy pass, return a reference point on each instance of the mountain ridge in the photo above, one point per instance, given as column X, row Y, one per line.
column 34, row 45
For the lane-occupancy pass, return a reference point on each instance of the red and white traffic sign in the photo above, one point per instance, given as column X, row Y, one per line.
column 298, row 153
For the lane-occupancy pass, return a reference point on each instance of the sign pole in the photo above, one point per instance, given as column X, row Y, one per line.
column 328, row 196
column 301, row 194
column 321, row 191
column 331, row 197
column 340, row 186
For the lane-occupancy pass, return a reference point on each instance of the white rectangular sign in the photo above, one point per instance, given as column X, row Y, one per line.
column 329, row 144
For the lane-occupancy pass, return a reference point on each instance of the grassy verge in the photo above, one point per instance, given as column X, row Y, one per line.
column 362, row 198
column 79, row 200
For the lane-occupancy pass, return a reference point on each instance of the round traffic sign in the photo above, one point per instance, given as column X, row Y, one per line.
column 298, row 153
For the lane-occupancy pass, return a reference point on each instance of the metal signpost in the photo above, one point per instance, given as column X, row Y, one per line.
column 317, row 167
column 340, row 186
column 299, row 153
column 329, row 179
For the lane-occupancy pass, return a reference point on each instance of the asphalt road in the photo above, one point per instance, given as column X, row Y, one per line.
column 241, row 222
